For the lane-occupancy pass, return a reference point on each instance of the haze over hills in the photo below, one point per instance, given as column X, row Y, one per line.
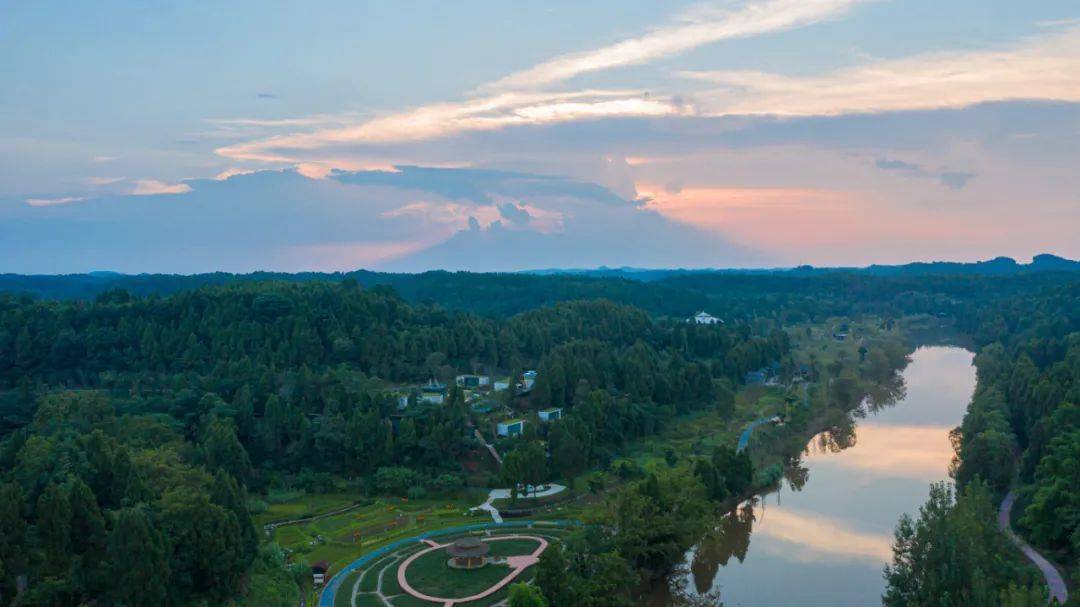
column 660, row 291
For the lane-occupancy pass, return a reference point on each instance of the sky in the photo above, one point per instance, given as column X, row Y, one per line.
column 406, row 135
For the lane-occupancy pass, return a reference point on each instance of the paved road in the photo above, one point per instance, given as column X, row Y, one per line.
column 1057, row 586
column 744, row 438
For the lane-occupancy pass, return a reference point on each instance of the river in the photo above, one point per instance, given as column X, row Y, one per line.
column 826, row 543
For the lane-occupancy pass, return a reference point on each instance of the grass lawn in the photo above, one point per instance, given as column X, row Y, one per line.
column 512, row 547
column 343, row 598
column 431, row 575
column 371, row 580
column 369, row 600
column 387, row 567
column 406, row 600
column 501, row 594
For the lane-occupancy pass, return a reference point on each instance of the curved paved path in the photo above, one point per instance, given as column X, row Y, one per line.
column 1058, row 590
column 517, row 564
column 744, row 438
column 326, row 597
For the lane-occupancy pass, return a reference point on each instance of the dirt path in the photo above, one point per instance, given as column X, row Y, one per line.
column 1054, row 581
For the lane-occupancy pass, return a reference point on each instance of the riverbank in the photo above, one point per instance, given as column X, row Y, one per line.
column 828, row 530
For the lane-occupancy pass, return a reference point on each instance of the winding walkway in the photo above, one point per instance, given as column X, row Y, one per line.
column 326, row 597
column 1054, row 581
column 496, row 494
column 517, row 565
column 744, row 438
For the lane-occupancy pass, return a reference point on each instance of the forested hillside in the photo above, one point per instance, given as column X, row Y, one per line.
column 487, row 294
column 146, row 421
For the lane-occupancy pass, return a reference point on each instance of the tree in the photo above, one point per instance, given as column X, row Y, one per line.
column 658, row 518
column 526, row 465
column 952, row 552
column 222, row 449
column 525, row 595
column 88, row 537
column 724, row 401
column 989, row 456
column 736, row 468
column 137, row 560
column 394, row 480
column 552, row 577
column 13, row 561
column 585, row 570
column 53, row 524
column 1054, row 513
column 569, row 455
column 207, row 554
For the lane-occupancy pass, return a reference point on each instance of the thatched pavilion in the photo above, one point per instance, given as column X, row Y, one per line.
column 468, row 553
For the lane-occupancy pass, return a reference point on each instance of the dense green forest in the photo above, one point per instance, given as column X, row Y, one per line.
column 136, row 425
column 153, row 417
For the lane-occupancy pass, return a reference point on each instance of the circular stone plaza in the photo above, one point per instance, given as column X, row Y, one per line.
column 468, row 569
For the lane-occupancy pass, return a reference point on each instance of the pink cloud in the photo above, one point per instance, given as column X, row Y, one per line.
column 45, row 202
column 153, row 187
column 820, row 225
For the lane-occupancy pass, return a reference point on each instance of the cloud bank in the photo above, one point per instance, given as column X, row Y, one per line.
column 414, row 218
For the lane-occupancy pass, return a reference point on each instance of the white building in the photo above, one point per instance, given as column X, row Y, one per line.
column 552, row 414
column 501, row 384
column 472, row 381
column 511, row 427
column 433, row 393
column 704, row 318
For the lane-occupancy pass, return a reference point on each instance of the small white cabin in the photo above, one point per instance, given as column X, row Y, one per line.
column 512, row 427
column 550, row 415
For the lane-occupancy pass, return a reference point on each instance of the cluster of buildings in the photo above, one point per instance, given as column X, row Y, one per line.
column 770, row 375
column 765, row 376
column 476, row 389
column 515, row 427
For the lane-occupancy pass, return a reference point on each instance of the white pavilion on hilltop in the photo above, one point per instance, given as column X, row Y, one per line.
column 704, row 318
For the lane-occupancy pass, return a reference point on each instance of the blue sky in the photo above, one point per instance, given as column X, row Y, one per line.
column 768, row 132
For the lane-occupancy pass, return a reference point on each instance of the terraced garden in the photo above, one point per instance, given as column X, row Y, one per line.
column 375, row 583
column 344, row 537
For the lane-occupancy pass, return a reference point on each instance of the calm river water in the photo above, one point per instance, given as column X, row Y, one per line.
column 826, row 544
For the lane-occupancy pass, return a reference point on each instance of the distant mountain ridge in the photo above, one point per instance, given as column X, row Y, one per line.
column 998, row 266
column 512, row 292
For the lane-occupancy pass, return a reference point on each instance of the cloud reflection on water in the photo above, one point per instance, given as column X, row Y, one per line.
column 907, row 451
column 807, row 537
